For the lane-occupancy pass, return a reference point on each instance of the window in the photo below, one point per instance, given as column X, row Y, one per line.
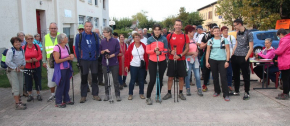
column 96, row 22
column 90, row 1
column 96, row 2
column 104, row 22
column 263, row 36
column 89, row 19
column 104, row 4
column 210, row 15
column 81, row 19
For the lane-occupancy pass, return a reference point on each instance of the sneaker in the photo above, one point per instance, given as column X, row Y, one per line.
column 124, row 84
column 51, row 98
column 83, row 100
column 227, row 98
column 246, row 96
column 121, row 87
column 142, row 96
column 118, row 98
column 215, row 94
column 20, row 107
column 106, row 98
column 167, row 96
column 39, row 98
column 157, row 99
column 20, row 102
column 60, row 105
column 282, row 96
column 181, row 96
column 199, row 92
column 204, row 88
column 148, row 101
column 236, row 93
column 30, row 98
column 69, row 103
column 230, row 88
column 97, row 98
column 188, row 92
column 130, row 97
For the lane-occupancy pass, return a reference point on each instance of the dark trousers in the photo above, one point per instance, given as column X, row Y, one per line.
column 286, row 80
column 36, row 76
column 271, row 70
column 205, row 74
column 218, row 67
column 85, row 67
column 122, row 79
column 115, row 73
column 239, row 63
column 137, row 72
column 61, row 93
column 152, row 73
column 100, row 72
column 230, row 74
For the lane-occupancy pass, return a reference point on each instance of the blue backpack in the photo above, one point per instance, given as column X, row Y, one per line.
column 3, row 64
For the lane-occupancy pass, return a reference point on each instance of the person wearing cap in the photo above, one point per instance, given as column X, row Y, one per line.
column 232, row 43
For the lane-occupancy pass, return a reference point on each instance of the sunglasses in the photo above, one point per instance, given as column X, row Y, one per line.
column 29, row 38
column 81, row 29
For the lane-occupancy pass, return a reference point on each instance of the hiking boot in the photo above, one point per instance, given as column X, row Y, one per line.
column 181, row 96
column 282, row 96
column 157, row 99
column 215, row 94
column 167, row 96
column 51, row 98
column 30, row 98
column 97, row 98
column 118, row 98
column 69, row 103
column 246, row 96
column 188, row 92
column 130, row 97
column 124, row 84
column 60, row 105
column 106, row 98
column 39, row 98
column 236, row 94
column 20, row 107
column 204, row 88
column 121, row 87
column 142, row 96
column 148, row 101
column 83, row 100
column 227, row 98
column 199, row 92
column 24, row 104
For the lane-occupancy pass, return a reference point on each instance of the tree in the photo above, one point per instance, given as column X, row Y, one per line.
column 122, row 23
column 169, row 22
column 183, row 15
column 229, row 10
column 140, row 17
column 193, row 18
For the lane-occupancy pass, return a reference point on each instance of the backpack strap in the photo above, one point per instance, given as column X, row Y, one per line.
column 97, row 42
column 59, row 51
column 169, row 41
column 79, row 44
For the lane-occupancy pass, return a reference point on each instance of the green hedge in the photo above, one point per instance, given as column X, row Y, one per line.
column 119, row 31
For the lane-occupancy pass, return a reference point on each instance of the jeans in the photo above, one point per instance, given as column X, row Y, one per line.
column 196, row 75
column 122, row 80
column 137, row 72
column 230, row 74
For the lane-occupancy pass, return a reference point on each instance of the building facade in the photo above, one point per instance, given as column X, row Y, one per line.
column 34, row 16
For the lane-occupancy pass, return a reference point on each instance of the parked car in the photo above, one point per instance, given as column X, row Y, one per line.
column 260, row 36
column 234, row 32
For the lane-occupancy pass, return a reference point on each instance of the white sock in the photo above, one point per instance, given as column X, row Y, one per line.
column 52, row 94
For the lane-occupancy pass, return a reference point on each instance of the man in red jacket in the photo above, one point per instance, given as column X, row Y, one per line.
column 178, row 47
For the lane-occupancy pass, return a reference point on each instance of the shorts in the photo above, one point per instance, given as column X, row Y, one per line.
column 180, row 68
column 50, row 72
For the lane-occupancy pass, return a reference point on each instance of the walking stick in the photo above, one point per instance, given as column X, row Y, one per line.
column 111, row 100
column 158, row 85
column 72, row 83
column 174, row 72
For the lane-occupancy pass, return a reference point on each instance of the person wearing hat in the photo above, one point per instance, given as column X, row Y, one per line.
column 81, row 29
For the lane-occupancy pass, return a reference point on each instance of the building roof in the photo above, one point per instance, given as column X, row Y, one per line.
column 207, row 6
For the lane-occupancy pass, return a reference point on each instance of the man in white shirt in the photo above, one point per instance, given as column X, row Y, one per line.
column 143, row 39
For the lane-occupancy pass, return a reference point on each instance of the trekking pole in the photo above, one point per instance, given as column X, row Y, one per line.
column 72, row 84
column 158, row 85
column 174, row 70
column 111, row 100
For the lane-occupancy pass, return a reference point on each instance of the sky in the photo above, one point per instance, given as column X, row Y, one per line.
column 158, row 10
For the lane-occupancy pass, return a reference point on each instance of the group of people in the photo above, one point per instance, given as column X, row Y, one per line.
column 217, row 52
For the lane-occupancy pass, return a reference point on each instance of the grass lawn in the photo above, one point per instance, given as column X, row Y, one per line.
column 4, row 82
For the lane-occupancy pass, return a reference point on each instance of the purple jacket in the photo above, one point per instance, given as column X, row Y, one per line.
column 114, row 47
column 57, row 74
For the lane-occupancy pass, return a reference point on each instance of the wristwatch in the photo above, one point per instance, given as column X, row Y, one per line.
column 228, row 61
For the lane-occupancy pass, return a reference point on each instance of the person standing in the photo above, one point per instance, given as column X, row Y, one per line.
column 240, row 58
column 121, row 60
column 21, row 35
column 178, row 44
column 87, row 51
column 37, row 41
column 100, row 70
column 110, row 49
column 32, row 57
column 283, row 53
column 145, row 34
column 157, row 46
column 15, row 61
column 144, row 41
column 49, row 42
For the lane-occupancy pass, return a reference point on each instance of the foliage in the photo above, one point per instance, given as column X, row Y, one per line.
column 122, row 31
column 229, row 10
column 123, row 23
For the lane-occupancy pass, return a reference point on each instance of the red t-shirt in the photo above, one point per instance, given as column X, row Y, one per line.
column 178, row 41
column 32, row 53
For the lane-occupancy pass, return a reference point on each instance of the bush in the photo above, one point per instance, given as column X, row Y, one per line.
column 121, row 31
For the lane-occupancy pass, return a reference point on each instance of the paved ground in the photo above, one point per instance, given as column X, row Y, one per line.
column 261, row 109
